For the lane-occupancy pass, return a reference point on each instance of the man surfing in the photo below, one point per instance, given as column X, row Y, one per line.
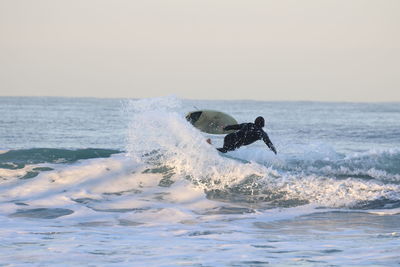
column 246, row 134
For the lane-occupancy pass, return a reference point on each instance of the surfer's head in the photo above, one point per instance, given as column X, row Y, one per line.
column 259, row 121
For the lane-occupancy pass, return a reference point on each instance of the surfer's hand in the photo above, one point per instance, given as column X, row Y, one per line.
column 273, row 149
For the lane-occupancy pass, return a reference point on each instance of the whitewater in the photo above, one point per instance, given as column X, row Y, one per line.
column 129, row 182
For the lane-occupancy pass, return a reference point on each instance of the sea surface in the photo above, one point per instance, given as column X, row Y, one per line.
column 124, row 182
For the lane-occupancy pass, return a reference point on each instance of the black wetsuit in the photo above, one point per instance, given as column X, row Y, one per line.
column 247, row 133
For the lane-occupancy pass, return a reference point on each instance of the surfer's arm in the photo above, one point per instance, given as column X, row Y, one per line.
column 233, row 127
column 268, row 142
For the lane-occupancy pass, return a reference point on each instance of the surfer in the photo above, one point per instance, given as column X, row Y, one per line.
column 246, row 134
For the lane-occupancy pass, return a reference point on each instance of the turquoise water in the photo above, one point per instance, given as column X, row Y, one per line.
column 118, row 182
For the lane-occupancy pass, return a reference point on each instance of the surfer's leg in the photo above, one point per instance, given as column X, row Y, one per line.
column 221, row 149
column 229, row 143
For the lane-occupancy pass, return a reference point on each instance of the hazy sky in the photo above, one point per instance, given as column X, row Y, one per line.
column 343, row 50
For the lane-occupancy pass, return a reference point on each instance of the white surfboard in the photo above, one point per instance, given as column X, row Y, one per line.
column 210, row 121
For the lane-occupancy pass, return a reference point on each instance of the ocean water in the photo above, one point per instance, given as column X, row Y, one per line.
column 119, row 182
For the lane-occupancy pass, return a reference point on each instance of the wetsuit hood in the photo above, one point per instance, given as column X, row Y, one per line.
column 259, row 121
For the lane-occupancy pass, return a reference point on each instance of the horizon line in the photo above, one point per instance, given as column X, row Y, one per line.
column 201, row 99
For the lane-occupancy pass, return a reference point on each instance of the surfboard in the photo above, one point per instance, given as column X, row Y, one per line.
column 210, row 121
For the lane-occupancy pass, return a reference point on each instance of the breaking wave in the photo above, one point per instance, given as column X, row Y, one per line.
column 316, row 175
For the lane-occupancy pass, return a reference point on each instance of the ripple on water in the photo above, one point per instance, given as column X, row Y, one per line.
column 42, row 213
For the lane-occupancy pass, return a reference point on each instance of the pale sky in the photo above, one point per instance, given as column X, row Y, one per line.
column 343, row 50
